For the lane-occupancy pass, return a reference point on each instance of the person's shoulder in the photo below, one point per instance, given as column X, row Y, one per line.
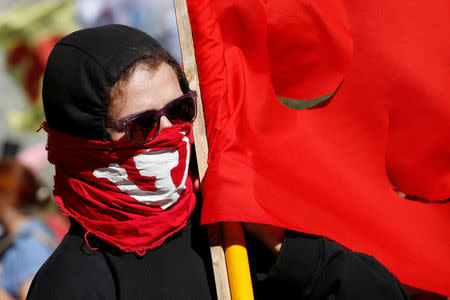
column 33, row 248
column 73, row 272
column 36, row 236
column 34, row 225
column 24, row 257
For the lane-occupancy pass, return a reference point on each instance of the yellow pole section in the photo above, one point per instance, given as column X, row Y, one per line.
column 237, row 261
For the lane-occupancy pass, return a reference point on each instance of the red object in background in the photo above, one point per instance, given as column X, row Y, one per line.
column 330, row 170
column 58, row 224
column 35, row 59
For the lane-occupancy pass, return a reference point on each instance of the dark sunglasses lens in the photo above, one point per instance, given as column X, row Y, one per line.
column 143, row 128
column 182, row 111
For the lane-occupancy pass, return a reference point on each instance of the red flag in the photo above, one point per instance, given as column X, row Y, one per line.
column 318, row 112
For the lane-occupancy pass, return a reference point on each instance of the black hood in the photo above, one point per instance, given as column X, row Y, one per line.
column 82, row 68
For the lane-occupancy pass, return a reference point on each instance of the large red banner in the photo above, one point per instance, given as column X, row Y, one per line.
column 332, row 118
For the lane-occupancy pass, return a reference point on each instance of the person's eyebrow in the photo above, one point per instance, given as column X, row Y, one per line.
column 131, row 115
column 134, row 114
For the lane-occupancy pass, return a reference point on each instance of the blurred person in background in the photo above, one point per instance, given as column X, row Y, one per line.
column 26, row 242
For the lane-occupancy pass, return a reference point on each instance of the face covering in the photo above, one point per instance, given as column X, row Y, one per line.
column 131, row 196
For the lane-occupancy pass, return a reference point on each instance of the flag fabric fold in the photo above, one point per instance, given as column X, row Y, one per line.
column 332, row 118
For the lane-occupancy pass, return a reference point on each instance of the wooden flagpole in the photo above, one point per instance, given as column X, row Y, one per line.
column 238, row 275
column 201, row 145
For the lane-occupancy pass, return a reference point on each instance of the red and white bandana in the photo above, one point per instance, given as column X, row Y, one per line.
column 131, row 196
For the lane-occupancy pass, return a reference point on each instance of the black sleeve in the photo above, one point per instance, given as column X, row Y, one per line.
column 314, row 267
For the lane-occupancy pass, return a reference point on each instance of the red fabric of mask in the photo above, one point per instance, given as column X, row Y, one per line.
column 131, row 196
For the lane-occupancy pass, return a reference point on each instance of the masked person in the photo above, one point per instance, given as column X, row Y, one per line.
column 119, row 116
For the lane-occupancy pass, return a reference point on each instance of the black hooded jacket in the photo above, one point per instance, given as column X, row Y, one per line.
column 81, row 69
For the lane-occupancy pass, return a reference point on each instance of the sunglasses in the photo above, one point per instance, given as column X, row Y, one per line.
column 144, row 127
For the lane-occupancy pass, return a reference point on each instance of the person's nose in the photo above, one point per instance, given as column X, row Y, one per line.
column 164, row 122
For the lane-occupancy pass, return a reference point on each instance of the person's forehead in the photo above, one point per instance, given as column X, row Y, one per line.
column 146, row 89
